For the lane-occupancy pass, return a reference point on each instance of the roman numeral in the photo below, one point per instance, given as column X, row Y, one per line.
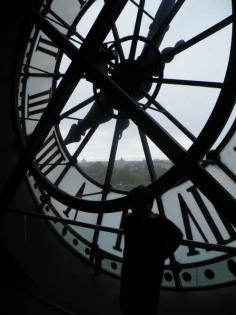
column 229, row 228
column 46, row 46
column 38, row 102
column 49, row 156
column 190, row 221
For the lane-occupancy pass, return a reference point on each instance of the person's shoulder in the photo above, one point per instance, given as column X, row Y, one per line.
column 155, row 219
column 129, row 220
column 163, row 226
column 161, row 219
column 165, row 223
column 158, row 218
column 128, row 217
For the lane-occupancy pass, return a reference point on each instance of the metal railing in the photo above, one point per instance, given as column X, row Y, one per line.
column 208, row 246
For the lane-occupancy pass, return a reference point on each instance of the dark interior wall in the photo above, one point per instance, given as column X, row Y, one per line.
column 57, row 272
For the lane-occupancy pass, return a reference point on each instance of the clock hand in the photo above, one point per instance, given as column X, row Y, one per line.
column 148, row 59
column 169, row 53
column 165, row 14
column 123, row 125
column 96, row 115
column 201, row 36
column 100, row 111
column 154, row 33
column 167, row 49
column 151, row 66
column 77, row 107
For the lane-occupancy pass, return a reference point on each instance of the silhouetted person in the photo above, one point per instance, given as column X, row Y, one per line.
column 149, row 240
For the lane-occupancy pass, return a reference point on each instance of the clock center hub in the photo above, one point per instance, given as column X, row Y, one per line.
column 130, row 76
column 138, row 76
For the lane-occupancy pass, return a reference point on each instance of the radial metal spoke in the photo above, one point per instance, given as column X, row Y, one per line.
column 208, row 246
column 148, row 156
column 197, row 83
column 66, row 221
column 78, row 107
column 137, row 27
column 112, row 156
column 69, row 30
column 41, row 75
column 207, row 84
column 117, row 43
column 107, row 184
column 144, row 11
column 177, row 123
column 85, row 141
column 152, row 108
column 196, row 39
column 65, row 25
column 74, row 157
column 92, row 194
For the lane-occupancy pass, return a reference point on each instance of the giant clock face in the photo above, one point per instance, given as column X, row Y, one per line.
column 141, row 92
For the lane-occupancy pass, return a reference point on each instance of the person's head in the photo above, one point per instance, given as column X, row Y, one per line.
column 141, row 200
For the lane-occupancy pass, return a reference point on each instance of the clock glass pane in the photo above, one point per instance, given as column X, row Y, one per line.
column 96, row 152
